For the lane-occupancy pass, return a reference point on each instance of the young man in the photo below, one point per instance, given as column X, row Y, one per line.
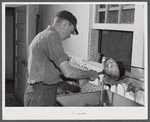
column 46, row 59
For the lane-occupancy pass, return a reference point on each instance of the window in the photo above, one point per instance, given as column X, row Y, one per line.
column 117, row 45
column 111, row 13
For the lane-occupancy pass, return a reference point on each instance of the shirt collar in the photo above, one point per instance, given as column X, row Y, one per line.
column 53, row 29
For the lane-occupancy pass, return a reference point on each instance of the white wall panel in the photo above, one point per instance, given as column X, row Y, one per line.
column 76, row 46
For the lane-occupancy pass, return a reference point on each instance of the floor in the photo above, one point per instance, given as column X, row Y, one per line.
column 10, row 100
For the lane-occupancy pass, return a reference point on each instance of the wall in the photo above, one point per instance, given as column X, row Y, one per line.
column 32, row 11
column 76, row 46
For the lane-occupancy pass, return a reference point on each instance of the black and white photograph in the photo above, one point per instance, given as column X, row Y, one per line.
column 74, row 60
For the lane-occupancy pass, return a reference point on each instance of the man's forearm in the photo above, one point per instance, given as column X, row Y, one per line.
column 75, row 73
column 72, row 72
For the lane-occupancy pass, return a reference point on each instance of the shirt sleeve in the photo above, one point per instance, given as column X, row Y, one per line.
column 52, row 46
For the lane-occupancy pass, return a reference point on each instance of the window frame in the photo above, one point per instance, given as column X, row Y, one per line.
column 112, row 26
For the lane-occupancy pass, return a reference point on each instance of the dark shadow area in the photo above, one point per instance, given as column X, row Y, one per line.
column 10, row 100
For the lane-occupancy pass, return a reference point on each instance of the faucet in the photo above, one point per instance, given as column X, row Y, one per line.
column 133, row 88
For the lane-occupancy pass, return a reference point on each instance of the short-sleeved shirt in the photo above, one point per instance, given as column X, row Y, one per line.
column 44, row 57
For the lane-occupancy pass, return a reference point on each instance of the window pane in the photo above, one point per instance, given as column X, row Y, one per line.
column 129, row 4
column 102, row 6
column 101, row 17
column 127, row 16
column 117, row 45
column 112, row 17
column 114, row 5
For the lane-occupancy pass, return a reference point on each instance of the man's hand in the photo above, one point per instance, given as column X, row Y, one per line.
column 93, row 75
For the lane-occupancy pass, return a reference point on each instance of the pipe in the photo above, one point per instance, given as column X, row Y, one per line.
column 101, row 94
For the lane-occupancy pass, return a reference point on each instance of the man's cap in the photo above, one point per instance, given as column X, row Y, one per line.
column 70, row 17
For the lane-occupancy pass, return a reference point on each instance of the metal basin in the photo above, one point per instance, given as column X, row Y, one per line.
column 93, row 99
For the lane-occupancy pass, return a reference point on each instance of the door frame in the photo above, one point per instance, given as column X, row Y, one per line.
column 14, row 45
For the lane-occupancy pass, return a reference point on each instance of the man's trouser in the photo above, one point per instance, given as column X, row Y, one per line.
column 40, row 94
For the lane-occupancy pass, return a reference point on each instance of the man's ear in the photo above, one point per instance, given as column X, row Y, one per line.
column 65, row 23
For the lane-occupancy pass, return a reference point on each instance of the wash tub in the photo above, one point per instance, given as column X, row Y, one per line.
column 93, row 99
